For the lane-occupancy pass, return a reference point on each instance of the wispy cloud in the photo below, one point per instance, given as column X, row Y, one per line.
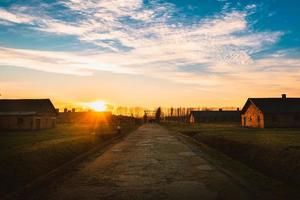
column 154, row 40
column 56, row 62
column 18, row 18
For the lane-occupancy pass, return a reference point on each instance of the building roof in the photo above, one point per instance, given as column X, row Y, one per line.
column 23, row 113
column 274, row 105
column 204, row 113
column 26, row 106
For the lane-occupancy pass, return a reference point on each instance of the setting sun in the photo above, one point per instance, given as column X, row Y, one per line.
column 99, row 106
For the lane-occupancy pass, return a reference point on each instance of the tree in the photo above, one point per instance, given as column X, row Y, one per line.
column 158, row 114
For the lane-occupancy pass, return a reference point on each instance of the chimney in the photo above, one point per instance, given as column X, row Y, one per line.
column 220, row 109
column 238, row 109
column 65, row 110
column 73, row 110
column 283, row 96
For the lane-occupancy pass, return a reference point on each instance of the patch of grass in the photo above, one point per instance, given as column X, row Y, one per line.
column 26, row 155
column 275, row 152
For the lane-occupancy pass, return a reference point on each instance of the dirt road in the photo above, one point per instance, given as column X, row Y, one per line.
column 150, row 163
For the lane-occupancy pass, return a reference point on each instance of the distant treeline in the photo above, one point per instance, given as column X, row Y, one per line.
column 138, row 112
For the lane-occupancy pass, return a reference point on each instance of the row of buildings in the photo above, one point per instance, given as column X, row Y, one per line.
column 257, row 112
column 34, row 114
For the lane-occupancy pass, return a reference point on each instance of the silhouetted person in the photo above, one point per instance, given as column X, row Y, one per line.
column 119, row 129
column 157, row 115
column 145, row 118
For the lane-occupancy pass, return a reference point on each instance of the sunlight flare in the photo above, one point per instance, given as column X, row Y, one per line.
column 99, row 106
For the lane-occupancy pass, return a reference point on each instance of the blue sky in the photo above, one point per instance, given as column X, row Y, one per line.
column 218, row 52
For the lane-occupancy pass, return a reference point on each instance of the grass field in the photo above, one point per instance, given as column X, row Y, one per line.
column 26, row 155
column 275, row 152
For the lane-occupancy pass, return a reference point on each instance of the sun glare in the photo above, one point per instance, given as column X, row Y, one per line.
column 99, row 106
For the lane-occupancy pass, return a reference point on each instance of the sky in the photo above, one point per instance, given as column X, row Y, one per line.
column 149, row 53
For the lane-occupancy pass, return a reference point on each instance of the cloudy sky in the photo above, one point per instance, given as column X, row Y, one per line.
column 151, row 52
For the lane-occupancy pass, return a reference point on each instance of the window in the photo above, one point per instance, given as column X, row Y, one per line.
column 250, row 119
column 258, row 119
column 20, row 121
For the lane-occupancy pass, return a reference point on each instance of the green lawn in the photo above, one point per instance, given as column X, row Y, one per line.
column 26, row 155
column 275, row 152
